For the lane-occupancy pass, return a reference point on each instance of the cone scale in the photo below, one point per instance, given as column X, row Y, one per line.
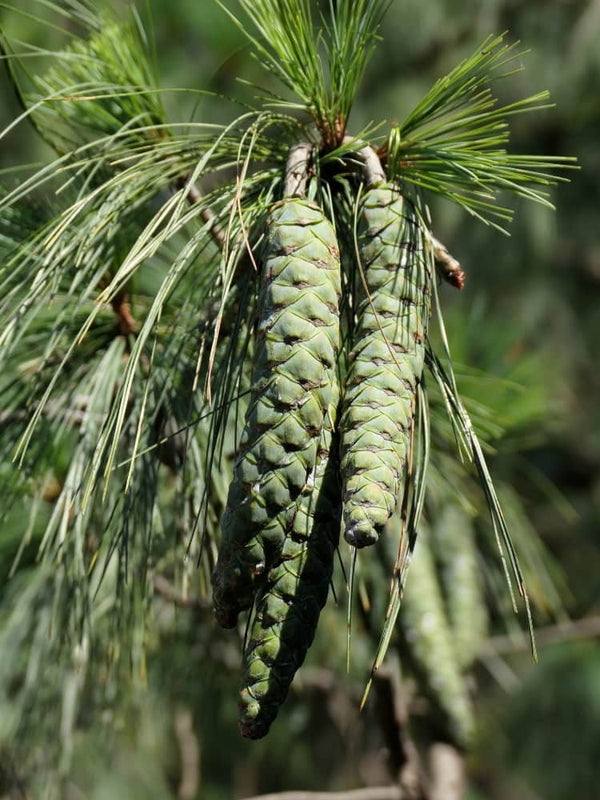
column 297, row 342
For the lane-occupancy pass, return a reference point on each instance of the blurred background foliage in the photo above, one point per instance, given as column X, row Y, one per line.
column 529, row 317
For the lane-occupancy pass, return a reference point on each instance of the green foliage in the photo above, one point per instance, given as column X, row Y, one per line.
column 290, row 46
column 454, row 141
column 564, row 699
column 101, row 85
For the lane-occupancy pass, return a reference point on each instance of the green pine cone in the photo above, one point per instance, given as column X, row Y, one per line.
column 288, row 606
column 455, row 552
column 386, row 363
column 429, row 641
column 293, row 385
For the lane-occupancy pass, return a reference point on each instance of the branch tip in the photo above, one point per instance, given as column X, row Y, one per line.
column 448, row 267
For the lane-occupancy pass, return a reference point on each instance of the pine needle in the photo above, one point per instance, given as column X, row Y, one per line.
column 322, row 66
column 454, row 143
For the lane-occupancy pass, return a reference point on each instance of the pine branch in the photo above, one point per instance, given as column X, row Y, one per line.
column 454, row 143
column 546, row 636
column 207, row 215
column 121, row 305
column 447, row 768
column 289, row 43
column 189, row 750
column 393, row 708
column 165, row 589
column 165, row 219
column 448, row 267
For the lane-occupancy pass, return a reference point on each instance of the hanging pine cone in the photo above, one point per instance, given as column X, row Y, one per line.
column 386, row 363
column 294, row 383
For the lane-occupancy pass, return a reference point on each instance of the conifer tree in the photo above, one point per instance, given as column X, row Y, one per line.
column 212, row 354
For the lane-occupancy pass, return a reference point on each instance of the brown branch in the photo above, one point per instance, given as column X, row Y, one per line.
column 584, row 628
column 368, row 160
column 52, row 410
column 168, row 592
column 194, row 195
column 447, row 773
column 393, row 714
column 369, row 793
column 448, row 267
column 297, row 169
column 121, row 305
column 189, row 750
column 319, row 679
